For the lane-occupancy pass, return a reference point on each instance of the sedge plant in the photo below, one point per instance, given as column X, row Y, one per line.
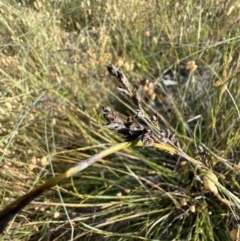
column 141, row 130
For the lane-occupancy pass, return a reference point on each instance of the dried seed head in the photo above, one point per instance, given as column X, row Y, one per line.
column 114, row 71
column 154, row 118
column 130, row 120
column 140, row 114
column 145, row 129
column 147, row 138
column 119, row 194
column 203, row 154
column 235, row 235
column 108, row 114
column 117, row 126
column 114, row 123
column 192, row 208
column 172, row 137
column 147, row 141
column 191, row 65
column 34, row 160
column 183, row 202
column 200, row 149
column 154, row 121
column 106, row 109
column 56, row 214
column 177, row 144
column 163, row 133
column 147, row 132
column 43, row 161
column 127, row 190
column 209, row 185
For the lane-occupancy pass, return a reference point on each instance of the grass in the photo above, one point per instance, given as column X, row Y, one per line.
column 53, row 84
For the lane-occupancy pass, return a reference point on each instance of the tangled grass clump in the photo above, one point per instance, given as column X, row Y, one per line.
column 140, row 131
column 182, row 106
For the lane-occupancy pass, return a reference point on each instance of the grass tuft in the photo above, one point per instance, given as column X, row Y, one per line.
column 182, row 59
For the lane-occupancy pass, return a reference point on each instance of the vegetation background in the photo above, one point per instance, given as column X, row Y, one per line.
column 53, row 83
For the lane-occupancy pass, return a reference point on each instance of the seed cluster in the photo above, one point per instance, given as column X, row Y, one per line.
column 139, row 127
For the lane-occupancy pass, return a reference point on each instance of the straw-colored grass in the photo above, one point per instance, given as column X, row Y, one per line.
column 53, row 85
